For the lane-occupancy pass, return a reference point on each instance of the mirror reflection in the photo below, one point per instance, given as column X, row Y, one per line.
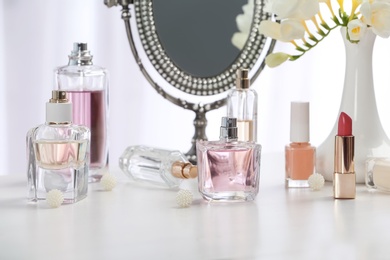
column 197, row 35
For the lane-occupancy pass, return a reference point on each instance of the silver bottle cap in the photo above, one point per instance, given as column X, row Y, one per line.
column 80, row 55
column 228, row 128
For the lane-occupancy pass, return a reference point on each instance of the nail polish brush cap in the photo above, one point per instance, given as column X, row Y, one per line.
column 58, row 109
column 228, row 128
column 300, row 122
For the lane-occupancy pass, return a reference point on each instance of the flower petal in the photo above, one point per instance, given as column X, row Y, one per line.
column 275, row 59
column 270, row 29
column 291, row 29
column 239, row 39
column 356, row 29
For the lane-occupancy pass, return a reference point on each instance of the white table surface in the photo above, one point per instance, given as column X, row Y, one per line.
column 137, row 221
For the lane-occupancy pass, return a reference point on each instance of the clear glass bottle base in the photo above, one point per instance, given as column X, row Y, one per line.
column 296, row 183
column 71, row 182
column 231, row 196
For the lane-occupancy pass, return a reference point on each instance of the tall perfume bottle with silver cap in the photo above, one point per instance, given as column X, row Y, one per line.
column 242, row 104
column 87, row 88
column 158, row 166
column 228, row 169
column 58, row 153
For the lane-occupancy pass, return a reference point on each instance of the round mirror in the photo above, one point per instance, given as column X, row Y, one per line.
column 190, row 42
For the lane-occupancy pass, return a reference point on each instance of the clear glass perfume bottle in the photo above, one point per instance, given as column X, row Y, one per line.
column 87, row 89
column 228, row 169
column 300, row 154
column 58, row 154
column 378, row 174
column 242, row 104
column 157, row 166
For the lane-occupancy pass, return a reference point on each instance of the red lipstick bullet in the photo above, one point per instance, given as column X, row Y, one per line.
column 344, row 178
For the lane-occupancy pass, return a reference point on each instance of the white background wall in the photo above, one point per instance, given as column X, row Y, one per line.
column 37, row 35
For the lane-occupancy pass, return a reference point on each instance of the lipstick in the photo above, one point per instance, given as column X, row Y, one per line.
column 344, row 178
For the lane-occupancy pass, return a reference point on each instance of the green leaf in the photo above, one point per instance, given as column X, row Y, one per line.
column 300, row 49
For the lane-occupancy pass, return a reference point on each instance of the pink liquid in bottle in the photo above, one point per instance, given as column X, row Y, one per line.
column 89, row 110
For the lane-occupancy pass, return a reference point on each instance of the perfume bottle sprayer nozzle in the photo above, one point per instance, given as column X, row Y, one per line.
column 228, row 128
column 80, row 55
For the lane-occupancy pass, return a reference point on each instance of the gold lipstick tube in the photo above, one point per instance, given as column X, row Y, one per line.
column 344, row 178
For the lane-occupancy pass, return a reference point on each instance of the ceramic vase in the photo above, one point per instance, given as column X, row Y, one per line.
column 358, row 101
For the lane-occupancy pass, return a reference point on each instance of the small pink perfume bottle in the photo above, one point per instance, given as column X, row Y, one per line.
column 228, row 169
column 300, row 154
column 58, row 154
column 87, row 89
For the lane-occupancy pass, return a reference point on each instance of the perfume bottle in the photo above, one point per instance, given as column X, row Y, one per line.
column 162, row 167
column 58, row 153
column 378, row 174
column 300, row 154
column 242, row 104
column 228, row 169
column 87, row 89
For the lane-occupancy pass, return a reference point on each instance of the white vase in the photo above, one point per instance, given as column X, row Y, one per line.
column 358, row 101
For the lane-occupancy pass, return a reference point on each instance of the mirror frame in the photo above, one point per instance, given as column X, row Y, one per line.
column 184, row 81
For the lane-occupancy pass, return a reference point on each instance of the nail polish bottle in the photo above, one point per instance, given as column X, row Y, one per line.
column 242, row 104
column 58, row 154
column 300, row 154
column 161, row 167
column 87, row 89
column 378, row 174
column 228, row 169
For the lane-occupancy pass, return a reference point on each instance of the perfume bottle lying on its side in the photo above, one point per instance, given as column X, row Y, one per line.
column 157, row 166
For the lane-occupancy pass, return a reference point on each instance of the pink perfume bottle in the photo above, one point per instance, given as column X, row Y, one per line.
column 228, row 169
column 87, row 89
column 58, row 154
column 300, row 154
column 242, row 104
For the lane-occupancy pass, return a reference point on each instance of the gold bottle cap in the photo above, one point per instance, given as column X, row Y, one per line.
column 242, row 79
column 184, row 170
column 58, row 96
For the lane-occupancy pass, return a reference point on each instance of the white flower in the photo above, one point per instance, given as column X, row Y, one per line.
column 377, row 14
column 286, row 31
column 275, row 59
column 356, row 29
column 295, row 9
